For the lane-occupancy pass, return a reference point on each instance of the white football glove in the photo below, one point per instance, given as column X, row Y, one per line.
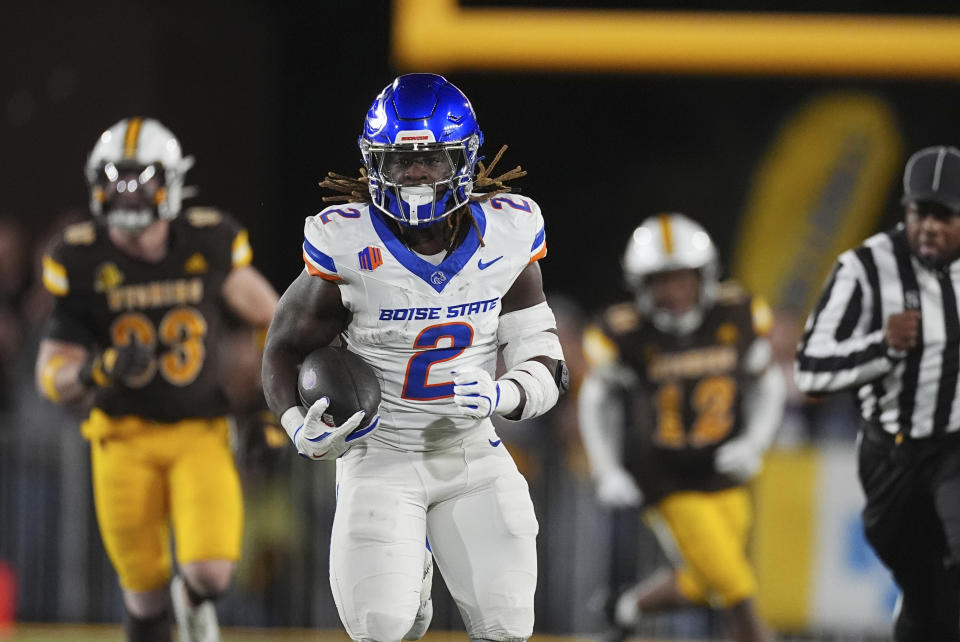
column 616, row 488
column 318, row 439
column 475, row 392
column 740, row 458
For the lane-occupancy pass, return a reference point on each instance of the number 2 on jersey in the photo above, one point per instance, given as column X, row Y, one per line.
column 415, row 386
column 518, row 204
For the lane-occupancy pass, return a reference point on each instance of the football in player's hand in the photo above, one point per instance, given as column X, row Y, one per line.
column 342, row 376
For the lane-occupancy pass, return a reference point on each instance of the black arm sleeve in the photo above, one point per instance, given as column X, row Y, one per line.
column 69, row 322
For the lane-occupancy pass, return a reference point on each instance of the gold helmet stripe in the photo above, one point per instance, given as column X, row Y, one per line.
column 666, row 230
column 132, row 136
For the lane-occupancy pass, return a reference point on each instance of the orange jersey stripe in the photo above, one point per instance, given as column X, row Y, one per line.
column 539, row 255
column 312, row 271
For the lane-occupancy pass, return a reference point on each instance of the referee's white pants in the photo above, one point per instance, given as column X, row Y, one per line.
column 475, row 508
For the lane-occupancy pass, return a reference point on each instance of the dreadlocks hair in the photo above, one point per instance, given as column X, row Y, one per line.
column 357, row 190
column 497, row 183
column 351, row 190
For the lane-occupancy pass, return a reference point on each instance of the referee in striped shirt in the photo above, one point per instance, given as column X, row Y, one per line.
column 887, row 326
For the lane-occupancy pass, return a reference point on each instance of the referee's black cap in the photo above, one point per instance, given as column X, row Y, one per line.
column 933, row 174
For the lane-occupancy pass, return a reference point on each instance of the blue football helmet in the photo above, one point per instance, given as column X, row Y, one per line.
column 420, row 143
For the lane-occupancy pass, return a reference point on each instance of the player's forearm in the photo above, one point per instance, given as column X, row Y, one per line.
column 536, row 375
column 279, row 375
column 514, row 394
column 601, row 424
column 763, row 404
column 250, row 296
column 309, row 315
column 58, row 378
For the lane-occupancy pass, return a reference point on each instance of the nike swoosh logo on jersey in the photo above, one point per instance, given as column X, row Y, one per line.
column 484, row 266
column 495, row 443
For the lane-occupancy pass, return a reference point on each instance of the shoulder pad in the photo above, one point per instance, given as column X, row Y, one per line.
column 598, row 348
column 221, row 233
column 54, row 277
column 203, row 216
column 84, row 233
column 622, row 318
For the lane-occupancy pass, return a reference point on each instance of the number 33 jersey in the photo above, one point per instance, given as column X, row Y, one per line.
column 417, row 319
column 687, row 397
column 105, row 297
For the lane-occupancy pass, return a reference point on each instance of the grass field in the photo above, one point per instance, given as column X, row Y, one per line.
column 112, row 633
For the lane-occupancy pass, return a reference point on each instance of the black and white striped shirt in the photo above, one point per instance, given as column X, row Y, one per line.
column 843, row 344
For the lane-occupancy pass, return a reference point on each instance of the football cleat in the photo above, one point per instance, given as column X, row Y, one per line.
column 626, row 612
column 195, row 623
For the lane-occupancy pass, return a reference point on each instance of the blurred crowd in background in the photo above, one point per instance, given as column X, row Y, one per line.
column 269, row 99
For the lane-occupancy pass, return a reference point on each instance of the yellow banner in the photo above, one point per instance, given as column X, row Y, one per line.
column 441, row 35
column 783, row 537
column 820, row 189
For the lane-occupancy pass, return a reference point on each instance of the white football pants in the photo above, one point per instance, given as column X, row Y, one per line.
column 475, row 508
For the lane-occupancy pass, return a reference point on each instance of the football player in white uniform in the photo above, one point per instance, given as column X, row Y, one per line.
column 426, row 281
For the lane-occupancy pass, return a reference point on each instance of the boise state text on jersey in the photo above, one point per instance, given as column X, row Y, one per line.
column 414, row 320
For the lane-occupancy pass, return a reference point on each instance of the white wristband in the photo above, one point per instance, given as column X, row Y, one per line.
column 509, row 396
column 292, row 419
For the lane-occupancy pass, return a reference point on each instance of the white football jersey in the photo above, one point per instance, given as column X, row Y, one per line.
column 414, row 322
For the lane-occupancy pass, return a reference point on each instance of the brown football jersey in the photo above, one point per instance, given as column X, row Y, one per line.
column 105, row 297
column 687, row 399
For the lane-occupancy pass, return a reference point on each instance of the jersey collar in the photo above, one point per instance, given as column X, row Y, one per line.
column 436, row 276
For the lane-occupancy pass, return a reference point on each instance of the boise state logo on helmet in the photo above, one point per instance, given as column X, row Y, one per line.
column 420, row 143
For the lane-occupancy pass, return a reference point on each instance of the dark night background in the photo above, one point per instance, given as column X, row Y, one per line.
column 269, row 96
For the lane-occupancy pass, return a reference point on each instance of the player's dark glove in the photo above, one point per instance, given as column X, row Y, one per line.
column 115, row 364
column 260, row 439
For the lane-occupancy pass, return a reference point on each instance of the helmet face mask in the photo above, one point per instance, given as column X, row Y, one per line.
column 666, row 244
column 420, row 147
column 438, row 164
column 414, row 176
column 135, row 173
column 130, row 194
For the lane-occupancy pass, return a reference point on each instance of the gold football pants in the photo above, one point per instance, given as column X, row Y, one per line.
column 705, row 535
column 148, row 476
